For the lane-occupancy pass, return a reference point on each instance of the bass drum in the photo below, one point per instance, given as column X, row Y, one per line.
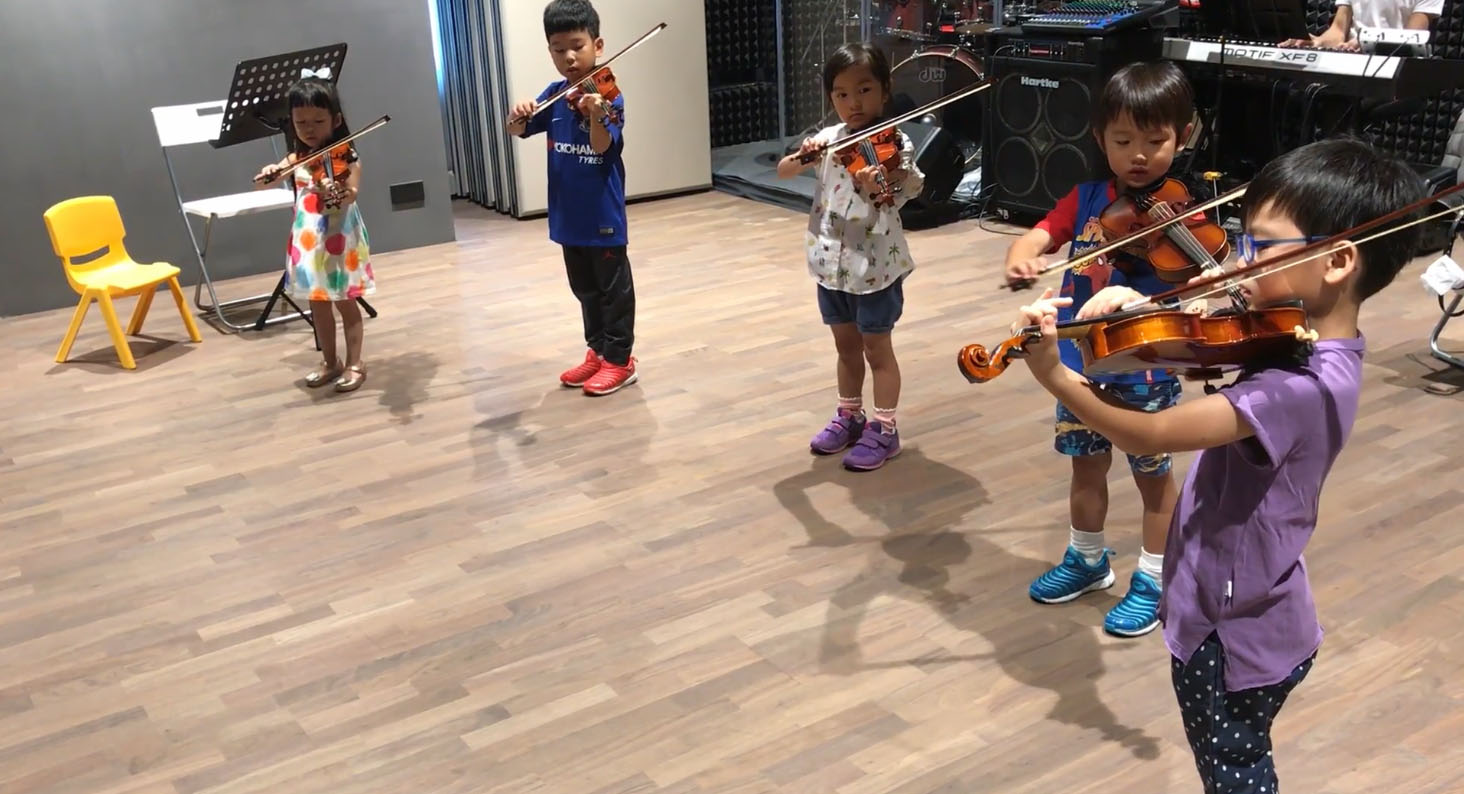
column 929, row 73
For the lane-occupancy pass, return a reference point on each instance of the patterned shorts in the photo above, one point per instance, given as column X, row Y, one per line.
column 1077, row 439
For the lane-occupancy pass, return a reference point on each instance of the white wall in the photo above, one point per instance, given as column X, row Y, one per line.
column 667, row 123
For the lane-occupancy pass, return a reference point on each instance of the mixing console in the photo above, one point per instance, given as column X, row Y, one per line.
column 1098, row 17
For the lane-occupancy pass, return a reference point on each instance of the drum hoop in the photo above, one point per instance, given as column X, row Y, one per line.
column 950, row 51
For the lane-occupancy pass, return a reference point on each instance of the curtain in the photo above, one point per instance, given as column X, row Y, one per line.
column 474, row 102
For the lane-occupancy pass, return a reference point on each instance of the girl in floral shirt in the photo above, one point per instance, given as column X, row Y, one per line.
column 858, row 256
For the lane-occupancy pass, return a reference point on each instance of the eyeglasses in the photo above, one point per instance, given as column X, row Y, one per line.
column 1248, row 247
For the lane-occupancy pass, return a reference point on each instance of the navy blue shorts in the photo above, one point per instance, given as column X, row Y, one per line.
column 1076, row 439
column 874, row 313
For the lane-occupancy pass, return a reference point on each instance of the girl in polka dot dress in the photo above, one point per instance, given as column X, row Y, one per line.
column 329, row 255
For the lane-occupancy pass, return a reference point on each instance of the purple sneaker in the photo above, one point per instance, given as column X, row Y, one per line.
column 873, row 448
column 842, row 431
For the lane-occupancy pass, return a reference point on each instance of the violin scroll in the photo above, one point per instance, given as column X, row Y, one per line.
column 979, row 365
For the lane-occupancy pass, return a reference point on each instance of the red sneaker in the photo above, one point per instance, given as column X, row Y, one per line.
column 611, row 378
column 580, row 375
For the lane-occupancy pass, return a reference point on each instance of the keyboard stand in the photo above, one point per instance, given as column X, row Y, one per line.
column 1433, row 339
column 1447, row 313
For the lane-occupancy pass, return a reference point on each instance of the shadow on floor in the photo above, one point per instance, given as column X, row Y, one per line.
column 918, row 500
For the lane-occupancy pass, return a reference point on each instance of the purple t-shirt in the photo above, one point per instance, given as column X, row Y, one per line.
column 1233, row 563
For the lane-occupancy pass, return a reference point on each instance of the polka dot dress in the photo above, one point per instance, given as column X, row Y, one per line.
column 329, row 254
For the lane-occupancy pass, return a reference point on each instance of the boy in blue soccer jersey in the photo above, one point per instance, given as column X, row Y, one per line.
column 587, row 197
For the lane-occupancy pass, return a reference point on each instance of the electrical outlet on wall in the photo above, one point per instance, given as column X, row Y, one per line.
column 408, row 196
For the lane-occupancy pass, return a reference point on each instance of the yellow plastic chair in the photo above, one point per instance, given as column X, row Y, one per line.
column 88, row 224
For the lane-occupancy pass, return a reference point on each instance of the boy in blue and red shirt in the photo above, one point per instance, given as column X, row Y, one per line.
column 587, row 197
column 1145, row 112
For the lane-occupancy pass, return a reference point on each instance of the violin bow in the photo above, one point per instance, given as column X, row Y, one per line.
column 1132, row 236
column 323, row 151
column 590, row 77
column 850, row 140
column 1311, row 252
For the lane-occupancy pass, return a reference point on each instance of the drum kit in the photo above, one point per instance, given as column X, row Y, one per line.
column 924, row 21
column 935, row 47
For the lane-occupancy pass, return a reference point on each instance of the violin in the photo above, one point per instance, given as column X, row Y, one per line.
column 1202, row 347
column 1178, row 252
column 1136, row 339
column 1160, row 220
column 602, row 83
column 335, row 168
column 882, row 150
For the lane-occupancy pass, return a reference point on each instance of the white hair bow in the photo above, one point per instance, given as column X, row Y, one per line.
column 323, row 74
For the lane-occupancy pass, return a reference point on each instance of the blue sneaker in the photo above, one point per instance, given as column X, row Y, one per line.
column 1071, row 578
column 1137, row 613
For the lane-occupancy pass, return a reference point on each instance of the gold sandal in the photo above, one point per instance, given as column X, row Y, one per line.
column 323, row 374
column 351, row 380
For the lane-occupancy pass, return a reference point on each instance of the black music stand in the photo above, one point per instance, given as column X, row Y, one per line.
column 258, row 107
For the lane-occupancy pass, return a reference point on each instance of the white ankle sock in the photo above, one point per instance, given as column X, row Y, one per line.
column 1153, row 565
column 1088, row 544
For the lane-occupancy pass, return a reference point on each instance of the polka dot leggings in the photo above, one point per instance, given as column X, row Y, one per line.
column 1230, row 732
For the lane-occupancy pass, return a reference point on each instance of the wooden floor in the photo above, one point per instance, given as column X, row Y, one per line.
column 464, row 578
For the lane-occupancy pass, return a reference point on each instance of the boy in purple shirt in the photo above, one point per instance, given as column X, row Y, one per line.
column 1237, row 610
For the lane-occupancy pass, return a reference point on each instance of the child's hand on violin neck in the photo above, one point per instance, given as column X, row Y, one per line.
column 1107, row 301
column 868, row 178
column 592, row 106
column 1042, row 356
column 1042, row 313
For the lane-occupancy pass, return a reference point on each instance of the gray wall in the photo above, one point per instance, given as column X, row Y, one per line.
column 79, row 79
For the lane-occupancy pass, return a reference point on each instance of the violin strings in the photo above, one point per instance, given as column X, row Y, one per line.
column 1319, row 254
column 1197, row 252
